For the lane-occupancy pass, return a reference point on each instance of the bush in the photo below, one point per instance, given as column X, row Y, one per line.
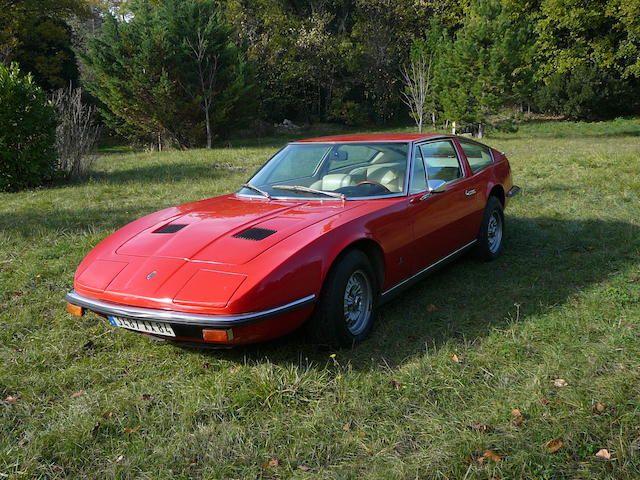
column 77, row 132
column 27, row 132
column 589, row 93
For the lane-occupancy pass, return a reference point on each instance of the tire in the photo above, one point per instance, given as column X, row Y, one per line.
column 346, row 309
column 491, row 236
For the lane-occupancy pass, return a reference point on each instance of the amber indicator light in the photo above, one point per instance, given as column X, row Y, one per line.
column 75, row 310
column 217, row 335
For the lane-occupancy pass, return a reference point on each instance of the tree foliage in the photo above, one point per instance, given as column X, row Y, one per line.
column 150, row 79
column 36, row 35
column 27, row 131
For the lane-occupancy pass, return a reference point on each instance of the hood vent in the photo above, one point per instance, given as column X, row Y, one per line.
column 255, row 234
column 171, row 228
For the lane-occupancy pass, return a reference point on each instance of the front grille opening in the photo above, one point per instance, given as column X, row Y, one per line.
column 171, row 228
column 255, row 234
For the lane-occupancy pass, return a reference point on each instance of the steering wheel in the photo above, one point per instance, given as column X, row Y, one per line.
column 371, row 182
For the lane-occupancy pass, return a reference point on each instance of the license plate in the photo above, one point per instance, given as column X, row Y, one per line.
column 145, row 326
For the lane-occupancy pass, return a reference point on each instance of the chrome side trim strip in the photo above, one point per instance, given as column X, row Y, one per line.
column 426, row 269
column 168, row 316
column 513, row 191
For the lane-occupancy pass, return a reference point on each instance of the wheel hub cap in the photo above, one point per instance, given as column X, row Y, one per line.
column 494, row 232
column 357, row 302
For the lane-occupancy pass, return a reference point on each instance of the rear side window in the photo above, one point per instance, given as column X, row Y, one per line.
column 479, row 156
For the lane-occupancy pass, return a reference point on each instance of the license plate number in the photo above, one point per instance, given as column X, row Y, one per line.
column 145, row 326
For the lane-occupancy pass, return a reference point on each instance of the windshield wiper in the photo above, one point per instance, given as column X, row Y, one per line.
column 300, row 188
column 256, row 189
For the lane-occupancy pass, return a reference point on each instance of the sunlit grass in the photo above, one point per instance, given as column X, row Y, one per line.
column 562, row 302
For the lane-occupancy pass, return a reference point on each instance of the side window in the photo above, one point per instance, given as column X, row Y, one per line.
column 418, row 180
column 349, row 155
column 441, row 161
column 478, row 155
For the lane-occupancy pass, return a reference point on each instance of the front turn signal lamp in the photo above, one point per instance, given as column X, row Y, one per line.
column 221, row 336
column 75, row 310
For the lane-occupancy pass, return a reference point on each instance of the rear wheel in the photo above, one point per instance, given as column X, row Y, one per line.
column 346, row 308
column 490, row 238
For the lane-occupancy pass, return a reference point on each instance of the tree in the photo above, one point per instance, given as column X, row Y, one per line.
column 210, row 68
column 162, row 73
column 488, row 64
column 417, row 93
column 575, row 33
column 36, row 35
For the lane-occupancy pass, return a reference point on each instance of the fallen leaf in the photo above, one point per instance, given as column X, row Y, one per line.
column 480, row 427
column 560, row 382
column 544, row 401
column 78, row 394
column 23, row 442
column 205, row 365
column 395, row 384
column 516, row 413
column 274, row 462
column 455, row 358
column 194, row 461
column 304, row 468
column 11, row 399
column 493, row 456
column 432, row 308
column 132, row 429
column 600, row 407
column 554, row 445
column 108, row 415
column 56, row 468
column 346, row 427
column 147, row 396
column 604, row 453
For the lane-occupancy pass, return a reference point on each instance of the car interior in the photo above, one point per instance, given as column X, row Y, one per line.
column 360, row 165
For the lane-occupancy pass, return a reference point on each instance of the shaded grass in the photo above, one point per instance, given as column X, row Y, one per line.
column 562, row 302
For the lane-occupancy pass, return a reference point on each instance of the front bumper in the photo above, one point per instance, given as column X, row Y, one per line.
column 182, row 318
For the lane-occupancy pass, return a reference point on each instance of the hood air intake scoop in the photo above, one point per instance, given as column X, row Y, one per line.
column 255, row 234
column 171, row 228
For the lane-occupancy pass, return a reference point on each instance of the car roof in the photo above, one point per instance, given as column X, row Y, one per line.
column 372, row 137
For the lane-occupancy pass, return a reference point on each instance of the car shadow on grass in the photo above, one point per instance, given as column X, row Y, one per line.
column 545, row 262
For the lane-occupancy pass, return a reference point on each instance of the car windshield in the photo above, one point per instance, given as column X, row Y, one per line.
column 332, row 171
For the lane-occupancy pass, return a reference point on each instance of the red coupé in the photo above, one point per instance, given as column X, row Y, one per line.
column 323, row 233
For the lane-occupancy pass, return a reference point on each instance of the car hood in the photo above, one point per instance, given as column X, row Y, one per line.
column 228, row 229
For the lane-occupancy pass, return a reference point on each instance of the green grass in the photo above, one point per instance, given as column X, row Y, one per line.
column 562, row 302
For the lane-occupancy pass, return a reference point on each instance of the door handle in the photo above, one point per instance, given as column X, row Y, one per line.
column 468, row 193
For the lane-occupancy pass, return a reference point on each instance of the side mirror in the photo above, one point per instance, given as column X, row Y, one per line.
column 436, row 186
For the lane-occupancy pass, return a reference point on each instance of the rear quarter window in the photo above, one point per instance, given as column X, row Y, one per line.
column 479, row 156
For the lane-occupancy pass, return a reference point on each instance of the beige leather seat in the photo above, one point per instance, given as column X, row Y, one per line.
column 333, row 181
column 387, row 176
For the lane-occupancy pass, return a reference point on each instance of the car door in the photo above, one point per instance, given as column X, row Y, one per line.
column 441, row 222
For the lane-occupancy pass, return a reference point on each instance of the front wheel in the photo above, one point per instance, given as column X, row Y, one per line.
column 490, row 238
column 346, row 308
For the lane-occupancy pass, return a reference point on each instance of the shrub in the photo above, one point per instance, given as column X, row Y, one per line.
column 77, row 132
column 27, row 131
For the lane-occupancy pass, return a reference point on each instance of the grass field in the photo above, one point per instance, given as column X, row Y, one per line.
column 551, row 329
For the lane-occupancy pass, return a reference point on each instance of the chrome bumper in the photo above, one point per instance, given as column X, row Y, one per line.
column 513, row 191
column 168, row 316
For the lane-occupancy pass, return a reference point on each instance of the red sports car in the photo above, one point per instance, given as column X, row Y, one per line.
column 327, row 230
